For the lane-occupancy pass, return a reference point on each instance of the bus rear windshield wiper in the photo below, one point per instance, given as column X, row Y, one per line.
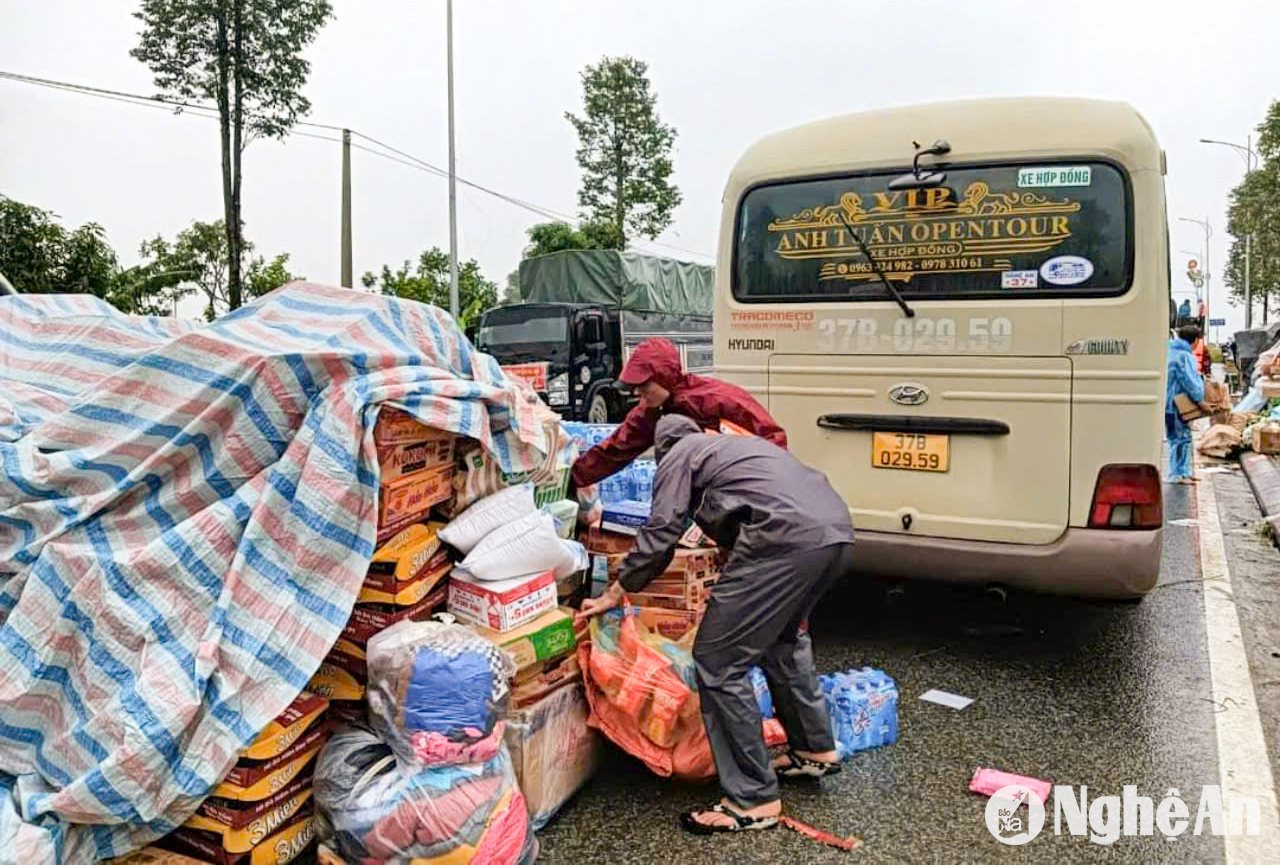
column 875, row 268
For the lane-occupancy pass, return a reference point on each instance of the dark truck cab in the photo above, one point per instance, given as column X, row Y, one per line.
column 585, row 312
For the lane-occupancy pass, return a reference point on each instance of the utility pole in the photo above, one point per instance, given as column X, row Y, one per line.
column 346, row 209
column 453, row 176
column 1250, row 160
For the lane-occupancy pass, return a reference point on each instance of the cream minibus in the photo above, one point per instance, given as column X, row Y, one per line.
column 959, row 313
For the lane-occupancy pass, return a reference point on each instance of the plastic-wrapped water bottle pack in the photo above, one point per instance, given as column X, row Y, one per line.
column 863, row 705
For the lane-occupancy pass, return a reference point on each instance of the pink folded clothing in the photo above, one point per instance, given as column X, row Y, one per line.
column 435, row 749
column 989, row 781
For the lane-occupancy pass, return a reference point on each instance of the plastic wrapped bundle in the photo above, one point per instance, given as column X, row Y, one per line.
column 376, row 809
column 434, row 690
column 863, row 705
column 643, row 696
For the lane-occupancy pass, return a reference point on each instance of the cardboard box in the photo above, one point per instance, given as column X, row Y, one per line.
column 553, row 676
column 255, row 780
column 388, row 590
column 503, row 604
column 625, row 518
column 599, row 541
column 395, row 427
column 1216, row 395
column 553, row 750
column 340, row 677
column 408, row 554
column 240, row 829
column 1239, row 420
column 410, row 499
column 1270, row 387
column 672, row 624
column 155, row 856
column 281, row 848
column 287, row 728
column 401, row 460
column 368, row 619
column 548, row 636
column 1266, row 438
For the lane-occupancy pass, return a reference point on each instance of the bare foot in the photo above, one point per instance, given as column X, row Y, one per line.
column 714, row 818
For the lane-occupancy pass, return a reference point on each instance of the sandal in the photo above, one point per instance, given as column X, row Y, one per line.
column 803, row 767
column 741, row 822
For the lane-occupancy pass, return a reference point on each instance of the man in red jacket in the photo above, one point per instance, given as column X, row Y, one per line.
column 665, row 388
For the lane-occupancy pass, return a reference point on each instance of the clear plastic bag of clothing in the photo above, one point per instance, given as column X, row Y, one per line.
column 435, row 690
column 374, row 808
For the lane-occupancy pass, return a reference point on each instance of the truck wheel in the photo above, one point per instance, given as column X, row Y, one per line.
column 598, row 411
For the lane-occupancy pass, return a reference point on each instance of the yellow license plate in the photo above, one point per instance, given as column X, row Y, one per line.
column 910, row 451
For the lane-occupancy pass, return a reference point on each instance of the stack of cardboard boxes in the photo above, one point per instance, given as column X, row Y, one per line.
column 409, row 572
column 674, row 601
column 261, row 813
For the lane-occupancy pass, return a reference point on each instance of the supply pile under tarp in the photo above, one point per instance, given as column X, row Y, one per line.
column 186, row 517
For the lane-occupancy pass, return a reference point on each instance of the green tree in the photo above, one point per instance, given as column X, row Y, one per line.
column 198, row 260
column 246, row 56
column 624, row 150
column 428, row 282
column 39, row 256
column 1254, row 208
column 548, row 237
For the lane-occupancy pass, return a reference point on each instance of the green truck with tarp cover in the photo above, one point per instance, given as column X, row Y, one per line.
column 581, row 314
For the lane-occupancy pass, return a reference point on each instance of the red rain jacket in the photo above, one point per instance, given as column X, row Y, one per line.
column 705, row 401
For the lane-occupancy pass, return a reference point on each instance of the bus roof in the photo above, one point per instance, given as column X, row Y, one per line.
column 977, row 129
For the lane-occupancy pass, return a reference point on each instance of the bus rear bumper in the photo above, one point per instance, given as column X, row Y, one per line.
column 1089, row 563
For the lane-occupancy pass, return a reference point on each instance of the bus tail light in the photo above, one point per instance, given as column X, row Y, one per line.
column 1127, row 497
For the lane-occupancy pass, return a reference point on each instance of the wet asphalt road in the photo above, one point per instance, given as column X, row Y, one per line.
column 1069, row 691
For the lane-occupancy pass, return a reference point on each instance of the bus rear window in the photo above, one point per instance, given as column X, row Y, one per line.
column 1026, row 230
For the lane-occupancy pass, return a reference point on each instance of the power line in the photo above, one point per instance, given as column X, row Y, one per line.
column 394, row 154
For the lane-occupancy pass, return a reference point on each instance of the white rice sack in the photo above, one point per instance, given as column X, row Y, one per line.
column 576, row 559
column 527, row 546
column 500, row 509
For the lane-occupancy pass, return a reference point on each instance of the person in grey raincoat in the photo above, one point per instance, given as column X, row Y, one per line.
column 788, row 537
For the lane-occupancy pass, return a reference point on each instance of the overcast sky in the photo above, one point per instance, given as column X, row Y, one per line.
column 725, row 74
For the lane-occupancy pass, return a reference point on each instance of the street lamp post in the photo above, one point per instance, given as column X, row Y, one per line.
column 453, row 177
column 1208, row 232
column 1250, row 162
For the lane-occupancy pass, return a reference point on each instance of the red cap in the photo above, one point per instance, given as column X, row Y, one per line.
column 654, row 359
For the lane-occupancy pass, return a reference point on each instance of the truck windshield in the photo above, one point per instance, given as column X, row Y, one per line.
column 522, row 327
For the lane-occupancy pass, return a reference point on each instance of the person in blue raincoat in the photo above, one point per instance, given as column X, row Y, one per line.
column 1184, row 378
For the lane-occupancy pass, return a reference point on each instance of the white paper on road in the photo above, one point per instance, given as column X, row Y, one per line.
column 1184, row 522
column 945, row 698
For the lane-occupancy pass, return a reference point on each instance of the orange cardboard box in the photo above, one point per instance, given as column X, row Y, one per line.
column 340, row 677
column 388, row 590
column 242, row 828
column 255, row 780
column 401, row 460
column 281, row 848
column 555, row 676
column 368, row 619
column 395, row 427
column 409, row 499
column 608, row 543
column 295, row 720
column 672, row 624
column 408, row 553
column 155, row 856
